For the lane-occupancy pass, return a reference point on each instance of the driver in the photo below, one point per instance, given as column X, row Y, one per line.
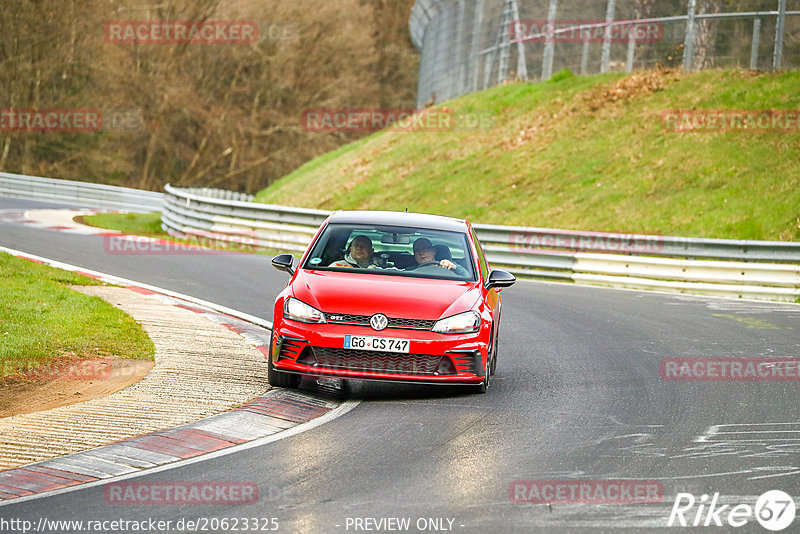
column 360, row 255
column 424, row 254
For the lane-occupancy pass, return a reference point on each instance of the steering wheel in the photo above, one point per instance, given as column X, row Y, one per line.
column 434, row 262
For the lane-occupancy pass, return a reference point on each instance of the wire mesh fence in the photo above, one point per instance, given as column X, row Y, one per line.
column 470, row 45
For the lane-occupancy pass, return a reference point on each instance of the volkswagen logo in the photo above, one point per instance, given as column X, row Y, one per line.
column 378, row 321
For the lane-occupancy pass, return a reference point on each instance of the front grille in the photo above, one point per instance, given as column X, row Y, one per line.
column 411, row 323
column 376, row 362
column 394, row 322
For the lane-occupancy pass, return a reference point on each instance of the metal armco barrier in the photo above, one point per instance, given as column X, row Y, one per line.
column 732, row 268
column 81, row 193
column 722, row 278
column 206, row 213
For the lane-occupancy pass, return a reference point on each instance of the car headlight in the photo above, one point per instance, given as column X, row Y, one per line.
column 297, row 310
column 463, row 323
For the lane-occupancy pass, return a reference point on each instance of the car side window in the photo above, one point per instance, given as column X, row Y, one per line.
column 481, row 257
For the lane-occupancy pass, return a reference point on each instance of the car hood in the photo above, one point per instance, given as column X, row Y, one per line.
column 394, row 296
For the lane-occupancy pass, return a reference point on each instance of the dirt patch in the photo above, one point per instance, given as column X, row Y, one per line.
column 19, row 396
column 630, row 87
column 540, row 131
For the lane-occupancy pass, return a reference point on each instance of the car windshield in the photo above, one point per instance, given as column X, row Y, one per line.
column 392, row 250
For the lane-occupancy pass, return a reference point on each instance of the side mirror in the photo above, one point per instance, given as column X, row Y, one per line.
column 500, row 279
column 283, row 262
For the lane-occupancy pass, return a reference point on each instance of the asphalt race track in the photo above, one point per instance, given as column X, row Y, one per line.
column 577, row 396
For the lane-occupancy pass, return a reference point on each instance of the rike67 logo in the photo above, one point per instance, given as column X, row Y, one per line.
column 774, row 510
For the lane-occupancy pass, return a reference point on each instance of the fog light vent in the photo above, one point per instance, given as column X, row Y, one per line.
column 445, row 367
column 307, row 357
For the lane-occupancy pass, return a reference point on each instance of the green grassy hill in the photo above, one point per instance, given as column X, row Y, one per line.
column 583, row 153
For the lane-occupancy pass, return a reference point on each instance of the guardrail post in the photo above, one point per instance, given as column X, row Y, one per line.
column 688, row 43
column 754, row 45
column 780, row 27
column 606, row 57
column 550, row 44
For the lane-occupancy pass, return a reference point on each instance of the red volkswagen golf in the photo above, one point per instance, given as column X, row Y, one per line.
column 403, row 297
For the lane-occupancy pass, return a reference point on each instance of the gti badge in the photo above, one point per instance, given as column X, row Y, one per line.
column 378, row 321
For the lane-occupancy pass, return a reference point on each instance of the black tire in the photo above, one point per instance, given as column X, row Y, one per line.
column 278, row 379
column 494, row 350
column 483, row 387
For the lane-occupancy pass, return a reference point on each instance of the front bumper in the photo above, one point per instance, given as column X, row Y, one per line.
column 433, row 358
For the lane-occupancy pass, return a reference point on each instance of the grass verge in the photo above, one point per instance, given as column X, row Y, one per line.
column 582, row 153
column 44, row 323
column 127, row 223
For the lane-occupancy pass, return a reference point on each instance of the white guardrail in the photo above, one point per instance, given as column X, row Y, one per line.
column 731, row 268
column 84, row 194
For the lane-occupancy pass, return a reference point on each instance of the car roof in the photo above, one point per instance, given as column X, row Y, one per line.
column 399, row 218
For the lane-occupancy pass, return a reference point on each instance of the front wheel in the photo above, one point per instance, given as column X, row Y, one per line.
column 483, row 387
column 279, row 379
column 494, row 352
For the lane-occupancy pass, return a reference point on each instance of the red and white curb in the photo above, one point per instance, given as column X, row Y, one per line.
column 59, row 220
column 277, row 414
column 115, row 242
column 277, row 411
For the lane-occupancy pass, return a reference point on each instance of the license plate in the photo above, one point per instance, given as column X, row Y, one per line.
column 380, row 344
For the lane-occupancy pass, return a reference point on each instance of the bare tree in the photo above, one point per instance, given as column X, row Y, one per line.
column 224, row 115
column 706, row 34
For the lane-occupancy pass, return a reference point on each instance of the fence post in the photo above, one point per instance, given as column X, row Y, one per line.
column 460, row 84
column 477, row 30
column 780, row 26
column 631, row 51
column 606, row 57
column 585, row 56
column 522, row 62
column 443, row 76
column 487, row 69
column 550, row 42
column 756, row 42
column 504, row 40
column 688, row 43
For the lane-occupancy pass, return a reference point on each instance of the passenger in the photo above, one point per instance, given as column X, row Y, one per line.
column 360, row 255
column 424, row 254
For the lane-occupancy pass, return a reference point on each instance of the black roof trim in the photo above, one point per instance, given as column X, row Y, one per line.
column 399, row 218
